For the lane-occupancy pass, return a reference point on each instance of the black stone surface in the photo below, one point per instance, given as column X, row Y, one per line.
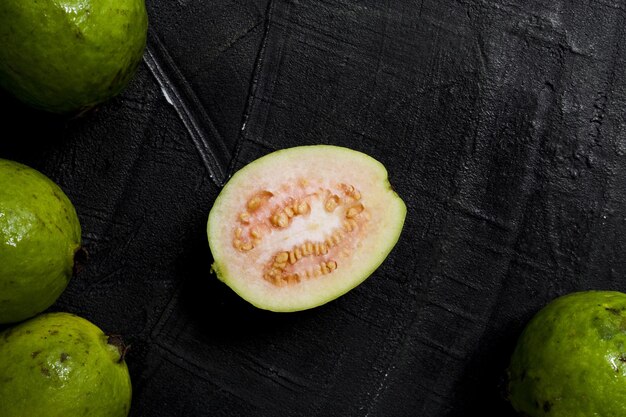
column 502, row 125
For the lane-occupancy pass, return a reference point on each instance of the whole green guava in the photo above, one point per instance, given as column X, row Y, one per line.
column 570, row 360
column 66, row 56
column 39, row 237
column 61, row 365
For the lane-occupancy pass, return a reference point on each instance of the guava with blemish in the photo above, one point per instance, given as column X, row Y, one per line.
column 61, row 365
column 40, row 238
column 570, row 360
column 302, row 226
column 67, row 56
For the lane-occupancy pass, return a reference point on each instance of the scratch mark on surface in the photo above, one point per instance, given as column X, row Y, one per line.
column 456, row 311
column 242, row 36
column 483, row 57
column 443, row 348
column 612, row 6
column 359, row 317
column 381, row 388
column 467, row 283
column 206, row 139
column 167, row 96
column 182, row 362
column 259, row 62
column 475, row 213
column 276, row 375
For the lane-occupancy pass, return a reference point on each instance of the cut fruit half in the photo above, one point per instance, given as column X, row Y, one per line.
column 302, row 226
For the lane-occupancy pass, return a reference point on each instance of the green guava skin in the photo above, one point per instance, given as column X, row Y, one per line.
column 39, row 235
column 570, row 360
column 66, row 56
column 61, row 365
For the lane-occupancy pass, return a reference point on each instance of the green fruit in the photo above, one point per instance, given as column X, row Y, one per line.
column 570, row 361
column 302, row 226
column 69, row 55
column 61, row 365
column 39, row 236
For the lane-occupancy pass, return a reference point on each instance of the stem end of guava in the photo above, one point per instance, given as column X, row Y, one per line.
column 117, row 341
column 81, row 256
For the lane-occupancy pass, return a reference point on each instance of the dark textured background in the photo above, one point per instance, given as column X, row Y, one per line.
column 501, row 123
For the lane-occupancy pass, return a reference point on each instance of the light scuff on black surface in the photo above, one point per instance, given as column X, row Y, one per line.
column 501, row 124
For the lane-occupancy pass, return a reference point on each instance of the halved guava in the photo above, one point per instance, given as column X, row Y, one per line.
column 302, row 226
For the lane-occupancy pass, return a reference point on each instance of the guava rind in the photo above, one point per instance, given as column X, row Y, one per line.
column 279, row 164
column 59, row 364
column 68, row 56
column 39, row 235
column 570, row 360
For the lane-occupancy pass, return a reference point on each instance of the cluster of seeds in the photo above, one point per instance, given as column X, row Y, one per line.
column 277, row 276
column 281, row 269
column 281, row 260
column 282, row 216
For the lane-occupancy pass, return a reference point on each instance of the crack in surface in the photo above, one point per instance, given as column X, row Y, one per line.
column 207, row 140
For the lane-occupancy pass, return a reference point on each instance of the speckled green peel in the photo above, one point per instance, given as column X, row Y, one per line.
column 355, row 245
column 69, row 55
column 570, row 361
column 60, row 365
column 39, row 235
